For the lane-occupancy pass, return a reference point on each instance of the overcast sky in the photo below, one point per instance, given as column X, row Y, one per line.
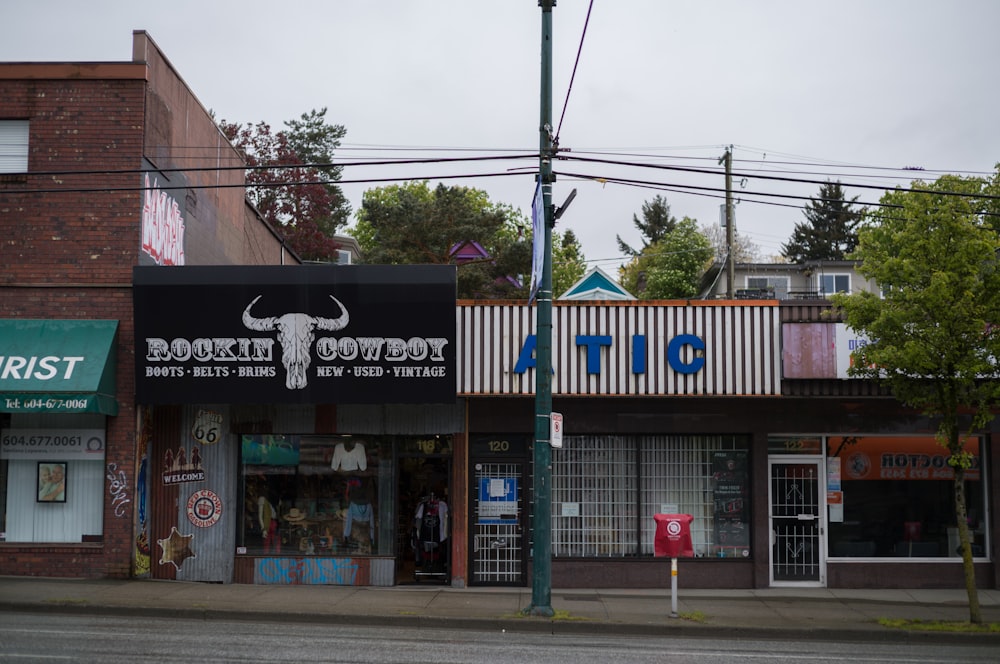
column 851, row 90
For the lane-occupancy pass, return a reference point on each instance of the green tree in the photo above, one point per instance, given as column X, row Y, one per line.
column 299, row 199
column 655, row 223
column 671, row 267
column 933, row 335
column 567, row 261
column 412, row 223
column 315, row 141
column 830, row 230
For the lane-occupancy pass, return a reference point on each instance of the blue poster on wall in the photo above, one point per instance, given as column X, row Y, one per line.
column 497, row 500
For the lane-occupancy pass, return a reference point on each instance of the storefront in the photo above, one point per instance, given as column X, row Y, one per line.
column 683, row 408
column 57, row 391
column 300, row 424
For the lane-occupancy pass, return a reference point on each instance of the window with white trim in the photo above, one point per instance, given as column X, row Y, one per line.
column 13, row 146
column 834, row 283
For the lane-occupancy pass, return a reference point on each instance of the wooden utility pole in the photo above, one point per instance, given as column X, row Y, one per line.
column 730, row 230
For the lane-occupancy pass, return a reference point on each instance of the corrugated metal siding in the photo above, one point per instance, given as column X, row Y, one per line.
column 821, row 311
column 742, row 352
column 401, row 419
column 213, row 546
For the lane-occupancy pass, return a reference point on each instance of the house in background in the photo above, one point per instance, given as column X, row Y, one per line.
column 349, row 251
column 786, row 281
column 596, row 284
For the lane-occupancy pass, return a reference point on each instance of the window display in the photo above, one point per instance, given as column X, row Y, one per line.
column 893, row 496
column 315, row 495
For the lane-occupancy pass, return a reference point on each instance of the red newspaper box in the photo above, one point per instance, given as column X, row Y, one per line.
column 673, row 536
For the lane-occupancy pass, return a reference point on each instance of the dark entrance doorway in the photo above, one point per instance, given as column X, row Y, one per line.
column 423, row 529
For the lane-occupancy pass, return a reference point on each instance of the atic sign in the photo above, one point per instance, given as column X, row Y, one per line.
column 295, row 334
column 685, row 353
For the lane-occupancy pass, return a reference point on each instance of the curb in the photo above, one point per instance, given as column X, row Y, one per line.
column 876, row 634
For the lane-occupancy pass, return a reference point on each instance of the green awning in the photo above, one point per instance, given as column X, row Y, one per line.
column 58, row 366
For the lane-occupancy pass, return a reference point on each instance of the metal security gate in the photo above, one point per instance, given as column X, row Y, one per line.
column 796, row 522
column 497, row 532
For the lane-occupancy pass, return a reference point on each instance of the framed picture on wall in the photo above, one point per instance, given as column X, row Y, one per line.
column 51, row 481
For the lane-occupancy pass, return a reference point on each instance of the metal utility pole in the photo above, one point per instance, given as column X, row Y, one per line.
column 541, row 570
column 730, row 231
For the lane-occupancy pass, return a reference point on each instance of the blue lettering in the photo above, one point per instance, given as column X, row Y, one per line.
column 674, row 354
column 526, row 360
column 638, row 353
column 593, row 344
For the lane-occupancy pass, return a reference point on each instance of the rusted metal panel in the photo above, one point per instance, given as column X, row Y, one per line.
column 808, row 350
column 165, row 432
column 622, row 349
column 192, row 484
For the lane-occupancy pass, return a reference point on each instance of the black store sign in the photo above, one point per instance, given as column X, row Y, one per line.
column 295, row 334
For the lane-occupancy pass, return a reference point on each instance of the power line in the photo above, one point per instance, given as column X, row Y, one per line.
column 716, row 173
column 572, row 77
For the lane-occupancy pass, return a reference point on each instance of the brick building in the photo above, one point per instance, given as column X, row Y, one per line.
column 104, row 166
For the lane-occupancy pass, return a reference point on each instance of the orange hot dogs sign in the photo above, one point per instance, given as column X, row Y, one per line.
column 901, row 458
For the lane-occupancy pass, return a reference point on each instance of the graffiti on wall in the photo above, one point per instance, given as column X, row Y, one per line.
column 118, row 488
column 162, row 226
column 307, row 571
column 142, row 557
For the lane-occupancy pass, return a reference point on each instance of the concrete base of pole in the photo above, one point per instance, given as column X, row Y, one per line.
column 543, row 611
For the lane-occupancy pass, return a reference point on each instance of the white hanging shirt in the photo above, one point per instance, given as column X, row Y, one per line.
column 354, row 459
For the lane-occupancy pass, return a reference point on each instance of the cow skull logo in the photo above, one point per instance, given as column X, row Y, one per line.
column 296, row 333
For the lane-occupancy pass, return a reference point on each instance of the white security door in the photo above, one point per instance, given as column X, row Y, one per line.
column 797, row 522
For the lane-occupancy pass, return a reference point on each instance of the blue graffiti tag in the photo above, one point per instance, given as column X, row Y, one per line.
column 306, row 571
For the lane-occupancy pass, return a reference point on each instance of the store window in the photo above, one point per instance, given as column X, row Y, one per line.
column 52, row 475
column 893, row 497
column 606, row 489
column 316, row 495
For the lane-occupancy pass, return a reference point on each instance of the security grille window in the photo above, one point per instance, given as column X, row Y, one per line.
column 834, row 283
column 606, row 489
column 13, row 146
column 594, row 492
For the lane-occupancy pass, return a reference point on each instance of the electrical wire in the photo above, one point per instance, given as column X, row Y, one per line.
column 572, row 77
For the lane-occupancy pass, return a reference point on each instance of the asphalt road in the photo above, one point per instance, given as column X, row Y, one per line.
column 107, row 639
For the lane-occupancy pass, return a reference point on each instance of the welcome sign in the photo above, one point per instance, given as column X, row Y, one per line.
column 295, row 334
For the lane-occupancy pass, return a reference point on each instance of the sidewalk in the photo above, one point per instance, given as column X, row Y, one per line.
column 815, row 613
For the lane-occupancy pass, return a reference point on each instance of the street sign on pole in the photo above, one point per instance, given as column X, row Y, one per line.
column 555, row 430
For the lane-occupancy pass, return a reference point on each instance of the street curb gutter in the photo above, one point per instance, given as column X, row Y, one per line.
column 876, row 634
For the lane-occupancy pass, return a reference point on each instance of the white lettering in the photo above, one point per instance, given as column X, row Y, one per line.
column 15, row 367
column 219, row 349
